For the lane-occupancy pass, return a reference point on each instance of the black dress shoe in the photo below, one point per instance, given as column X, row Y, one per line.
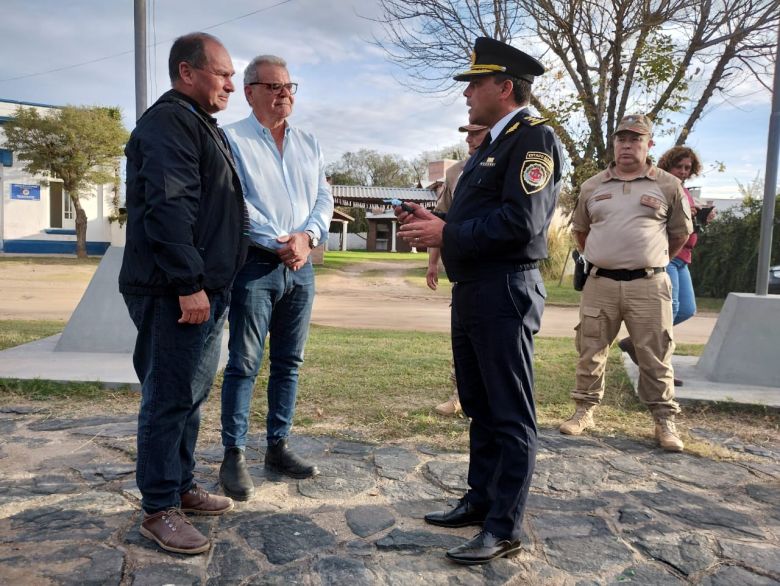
column 678, row 382
column 483, row 548
column 234, row 476
column 281, row 459
column 462, row 515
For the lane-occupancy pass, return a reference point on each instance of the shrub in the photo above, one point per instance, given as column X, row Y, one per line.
column 558, row 248
column 726, row 255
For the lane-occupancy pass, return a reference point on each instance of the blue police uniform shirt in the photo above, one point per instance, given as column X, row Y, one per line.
column 504, row 201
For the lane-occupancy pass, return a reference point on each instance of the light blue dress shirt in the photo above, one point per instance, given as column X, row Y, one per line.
column 284, row 193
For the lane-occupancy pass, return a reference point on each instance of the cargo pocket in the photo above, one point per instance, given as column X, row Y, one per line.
column 591, row 324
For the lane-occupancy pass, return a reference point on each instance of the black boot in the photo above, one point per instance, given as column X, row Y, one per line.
column 234, row 475
column 280, row 459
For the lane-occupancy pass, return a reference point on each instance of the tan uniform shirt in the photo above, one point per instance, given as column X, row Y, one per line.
column 629, row 222
column 451, row 177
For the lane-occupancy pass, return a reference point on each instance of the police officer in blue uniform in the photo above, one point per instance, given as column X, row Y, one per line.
column 491, row 240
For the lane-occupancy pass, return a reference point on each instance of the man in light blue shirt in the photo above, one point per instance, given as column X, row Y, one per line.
column 290, row 206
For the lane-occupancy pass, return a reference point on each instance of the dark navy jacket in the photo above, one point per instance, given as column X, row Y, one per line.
column 504, row 202
column 185, row 206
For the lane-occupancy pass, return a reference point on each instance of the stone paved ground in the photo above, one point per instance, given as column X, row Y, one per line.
column 602, row 511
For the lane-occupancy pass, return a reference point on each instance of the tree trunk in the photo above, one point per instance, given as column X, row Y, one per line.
column 81, row 227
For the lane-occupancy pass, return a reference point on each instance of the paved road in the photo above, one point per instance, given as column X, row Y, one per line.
column 602, row 511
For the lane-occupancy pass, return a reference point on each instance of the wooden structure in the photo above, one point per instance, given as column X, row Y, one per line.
column 343, row 219
column 382, row 224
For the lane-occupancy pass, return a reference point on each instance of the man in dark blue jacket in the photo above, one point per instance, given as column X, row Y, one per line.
column 185, row 242
column 491, row 239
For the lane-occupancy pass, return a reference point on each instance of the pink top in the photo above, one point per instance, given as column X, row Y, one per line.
column 687, row 249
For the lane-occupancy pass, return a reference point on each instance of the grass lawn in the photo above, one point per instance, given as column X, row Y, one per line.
column 382, row 386
column 336, row 259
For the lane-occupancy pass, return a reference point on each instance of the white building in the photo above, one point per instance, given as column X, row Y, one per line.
column 36, row 215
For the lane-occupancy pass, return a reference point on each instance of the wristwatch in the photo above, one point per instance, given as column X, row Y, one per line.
column 313, row 240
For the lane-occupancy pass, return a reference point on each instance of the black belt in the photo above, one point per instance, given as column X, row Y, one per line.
column 626, row 274
column 262, row 254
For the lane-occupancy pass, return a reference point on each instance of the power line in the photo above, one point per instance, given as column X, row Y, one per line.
column 114, row 55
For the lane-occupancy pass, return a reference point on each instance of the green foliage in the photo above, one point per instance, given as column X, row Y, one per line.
column 369, row 167
column 74, row 143
column 360, row 224
column 726, row 256
column 658, row 67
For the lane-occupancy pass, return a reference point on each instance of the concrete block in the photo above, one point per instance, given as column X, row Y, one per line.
column 744, row 346
column 100, row 322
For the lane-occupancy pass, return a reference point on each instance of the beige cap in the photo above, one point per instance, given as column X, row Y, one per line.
column 472, row 128
column 638, row 123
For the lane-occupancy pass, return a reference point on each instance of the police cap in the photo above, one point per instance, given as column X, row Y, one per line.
column 491, row 56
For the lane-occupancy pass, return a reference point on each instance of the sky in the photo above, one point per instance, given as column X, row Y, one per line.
column 350, row 96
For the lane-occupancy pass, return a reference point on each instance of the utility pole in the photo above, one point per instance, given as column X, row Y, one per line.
column 770, row 183
column 140, row 58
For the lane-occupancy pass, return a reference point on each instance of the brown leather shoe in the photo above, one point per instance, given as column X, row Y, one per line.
column 173, row 531
column 198, row 502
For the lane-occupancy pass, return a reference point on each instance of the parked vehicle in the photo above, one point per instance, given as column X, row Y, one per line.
column 774, row 279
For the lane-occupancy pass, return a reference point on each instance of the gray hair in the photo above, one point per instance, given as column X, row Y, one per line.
column 250, row 73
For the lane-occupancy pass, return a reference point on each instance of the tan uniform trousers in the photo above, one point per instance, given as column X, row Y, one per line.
column 645, row 305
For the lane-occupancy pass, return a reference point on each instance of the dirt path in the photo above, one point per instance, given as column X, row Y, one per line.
column 38, row 291
column 387, row 301
column 369, row 295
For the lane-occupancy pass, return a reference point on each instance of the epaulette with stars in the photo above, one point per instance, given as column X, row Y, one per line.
column 534, row 120
column 529, row 120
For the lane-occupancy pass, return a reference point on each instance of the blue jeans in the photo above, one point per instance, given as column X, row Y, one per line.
column 683, row 298
column 176, row 364
column 267, row 297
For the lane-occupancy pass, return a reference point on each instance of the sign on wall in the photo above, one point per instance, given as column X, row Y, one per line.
column 28, row 192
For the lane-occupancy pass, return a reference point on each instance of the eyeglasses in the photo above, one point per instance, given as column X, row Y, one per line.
column 277, row 88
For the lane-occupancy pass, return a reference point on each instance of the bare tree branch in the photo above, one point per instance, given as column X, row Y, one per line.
column 606, row 57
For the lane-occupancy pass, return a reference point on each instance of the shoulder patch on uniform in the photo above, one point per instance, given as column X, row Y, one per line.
column 536, row 171
column 534, row 120
column 512, row 128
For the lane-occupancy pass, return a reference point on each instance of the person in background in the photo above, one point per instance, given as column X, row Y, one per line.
column 475, row 134
column 683, row 163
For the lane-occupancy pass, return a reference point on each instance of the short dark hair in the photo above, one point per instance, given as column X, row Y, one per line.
column 191, row 49
column 521, row 89
column 676, row 154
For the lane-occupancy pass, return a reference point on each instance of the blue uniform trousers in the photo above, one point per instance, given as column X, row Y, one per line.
column 493, row 323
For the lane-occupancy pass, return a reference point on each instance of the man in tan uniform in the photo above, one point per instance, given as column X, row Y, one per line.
column 475, row 134
column 629, row 221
